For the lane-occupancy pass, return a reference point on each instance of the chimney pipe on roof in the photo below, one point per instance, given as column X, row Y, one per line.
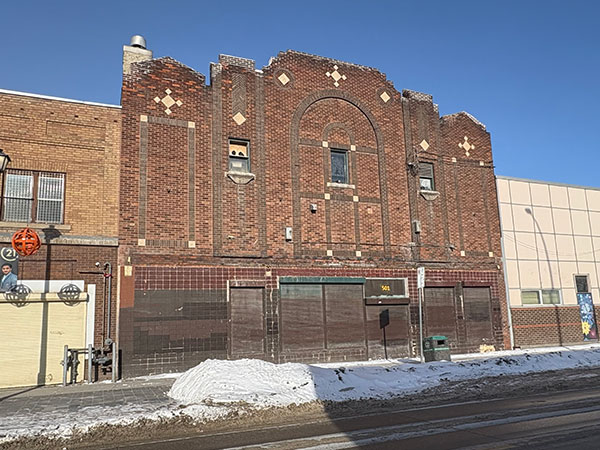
column 135, row 52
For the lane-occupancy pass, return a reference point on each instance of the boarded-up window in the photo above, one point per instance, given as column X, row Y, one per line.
column 478, row 320
column 440, row 313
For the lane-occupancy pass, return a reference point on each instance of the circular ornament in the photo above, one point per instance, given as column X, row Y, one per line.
column 26, row 242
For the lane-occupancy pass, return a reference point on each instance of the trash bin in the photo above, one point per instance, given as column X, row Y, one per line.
column 436, row 348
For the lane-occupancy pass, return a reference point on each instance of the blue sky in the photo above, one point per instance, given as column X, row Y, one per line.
column 529, row 70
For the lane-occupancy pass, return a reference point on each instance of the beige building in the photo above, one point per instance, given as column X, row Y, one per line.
column 551, row 240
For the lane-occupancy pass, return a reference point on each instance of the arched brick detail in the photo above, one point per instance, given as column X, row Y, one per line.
column 332, row 126
column 294, row 141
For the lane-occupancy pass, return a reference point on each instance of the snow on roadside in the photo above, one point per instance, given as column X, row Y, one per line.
column 262, row 384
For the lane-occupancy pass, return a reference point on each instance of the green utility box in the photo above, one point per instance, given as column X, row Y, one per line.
column 436, row 348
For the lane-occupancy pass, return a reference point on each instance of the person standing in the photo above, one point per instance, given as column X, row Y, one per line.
column 9, row 279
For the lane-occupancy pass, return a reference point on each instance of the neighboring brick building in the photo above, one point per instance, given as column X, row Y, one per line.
column 276, row 213
column 63, row 181
column 551, row 236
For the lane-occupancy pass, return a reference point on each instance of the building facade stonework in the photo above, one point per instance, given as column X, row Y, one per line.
column 276, row 213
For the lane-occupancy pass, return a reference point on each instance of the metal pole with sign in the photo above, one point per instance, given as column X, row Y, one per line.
column 420, row 286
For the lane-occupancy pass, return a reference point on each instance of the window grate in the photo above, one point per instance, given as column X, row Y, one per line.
column 33, row 196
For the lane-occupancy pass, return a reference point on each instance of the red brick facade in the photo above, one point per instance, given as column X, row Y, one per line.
column 192, row 232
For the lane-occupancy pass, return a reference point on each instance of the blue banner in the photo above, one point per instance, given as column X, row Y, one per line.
column 588, row 318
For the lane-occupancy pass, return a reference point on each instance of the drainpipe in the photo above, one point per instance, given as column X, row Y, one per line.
column 108, row 278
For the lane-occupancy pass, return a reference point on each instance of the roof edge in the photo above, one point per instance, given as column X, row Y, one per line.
column 61, row 99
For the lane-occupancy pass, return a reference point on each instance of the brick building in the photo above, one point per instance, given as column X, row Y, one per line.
column 63, row 182
column 551, row 237
column 276, row 213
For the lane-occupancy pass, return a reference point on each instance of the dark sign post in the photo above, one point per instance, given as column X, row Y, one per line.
column 384, row 321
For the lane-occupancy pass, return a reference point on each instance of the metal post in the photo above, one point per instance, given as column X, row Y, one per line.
column 421, row 324
column 115, row 360
column 109, row 274
column 90, row 357
column 65, row 362
column 384, row 344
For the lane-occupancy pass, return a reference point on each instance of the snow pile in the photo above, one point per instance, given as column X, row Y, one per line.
column 263, row 384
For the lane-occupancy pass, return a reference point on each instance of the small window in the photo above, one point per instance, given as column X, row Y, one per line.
column 426, row 176
column 581, row 282
column 339, row 166
column 31, row 196
column 239, row 156
column 540, row 297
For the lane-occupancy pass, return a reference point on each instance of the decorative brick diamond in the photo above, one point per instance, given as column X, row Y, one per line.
column 168, row 101
column 283, row 79
column 424, row 145
column 466, row 146
column 336, row 76
column 239, row 118
column 385, row 97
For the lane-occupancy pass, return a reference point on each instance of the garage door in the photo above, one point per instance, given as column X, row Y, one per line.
column 322, row 316
column 33, row 336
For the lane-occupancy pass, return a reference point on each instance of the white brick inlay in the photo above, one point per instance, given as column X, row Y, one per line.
column 329, row 252
column 462, row 253
column 336, row 76
column 191, row 244
column 355, row 198
column 453, row 159
column 466, row 146
column 142, row 242
column 325, row 144
column 358, row 253
column 327, row 196
column 168, row 101
column 143, row 118
column 385, row 97
column 239, row 118
column 283, row 79
column 353, row 147
column 481, row 163
column 191, row 124
column 424, row 145
column 491, row 254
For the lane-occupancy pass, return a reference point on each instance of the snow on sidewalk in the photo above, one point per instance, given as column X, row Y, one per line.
column 263, row 384
column 213, row 389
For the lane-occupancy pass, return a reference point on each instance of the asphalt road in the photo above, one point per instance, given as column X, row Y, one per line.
column 568, row 420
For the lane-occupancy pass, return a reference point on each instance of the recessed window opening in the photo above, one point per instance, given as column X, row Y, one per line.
column 339, row 166
column 426, row 176
column 31, row 196
column 239, row 155
column 581, row 283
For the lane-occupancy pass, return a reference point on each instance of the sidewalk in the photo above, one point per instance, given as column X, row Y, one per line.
column 33, row 410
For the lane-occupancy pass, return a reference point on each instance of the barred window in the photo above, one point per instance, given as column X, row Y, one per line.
column 33, row 196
